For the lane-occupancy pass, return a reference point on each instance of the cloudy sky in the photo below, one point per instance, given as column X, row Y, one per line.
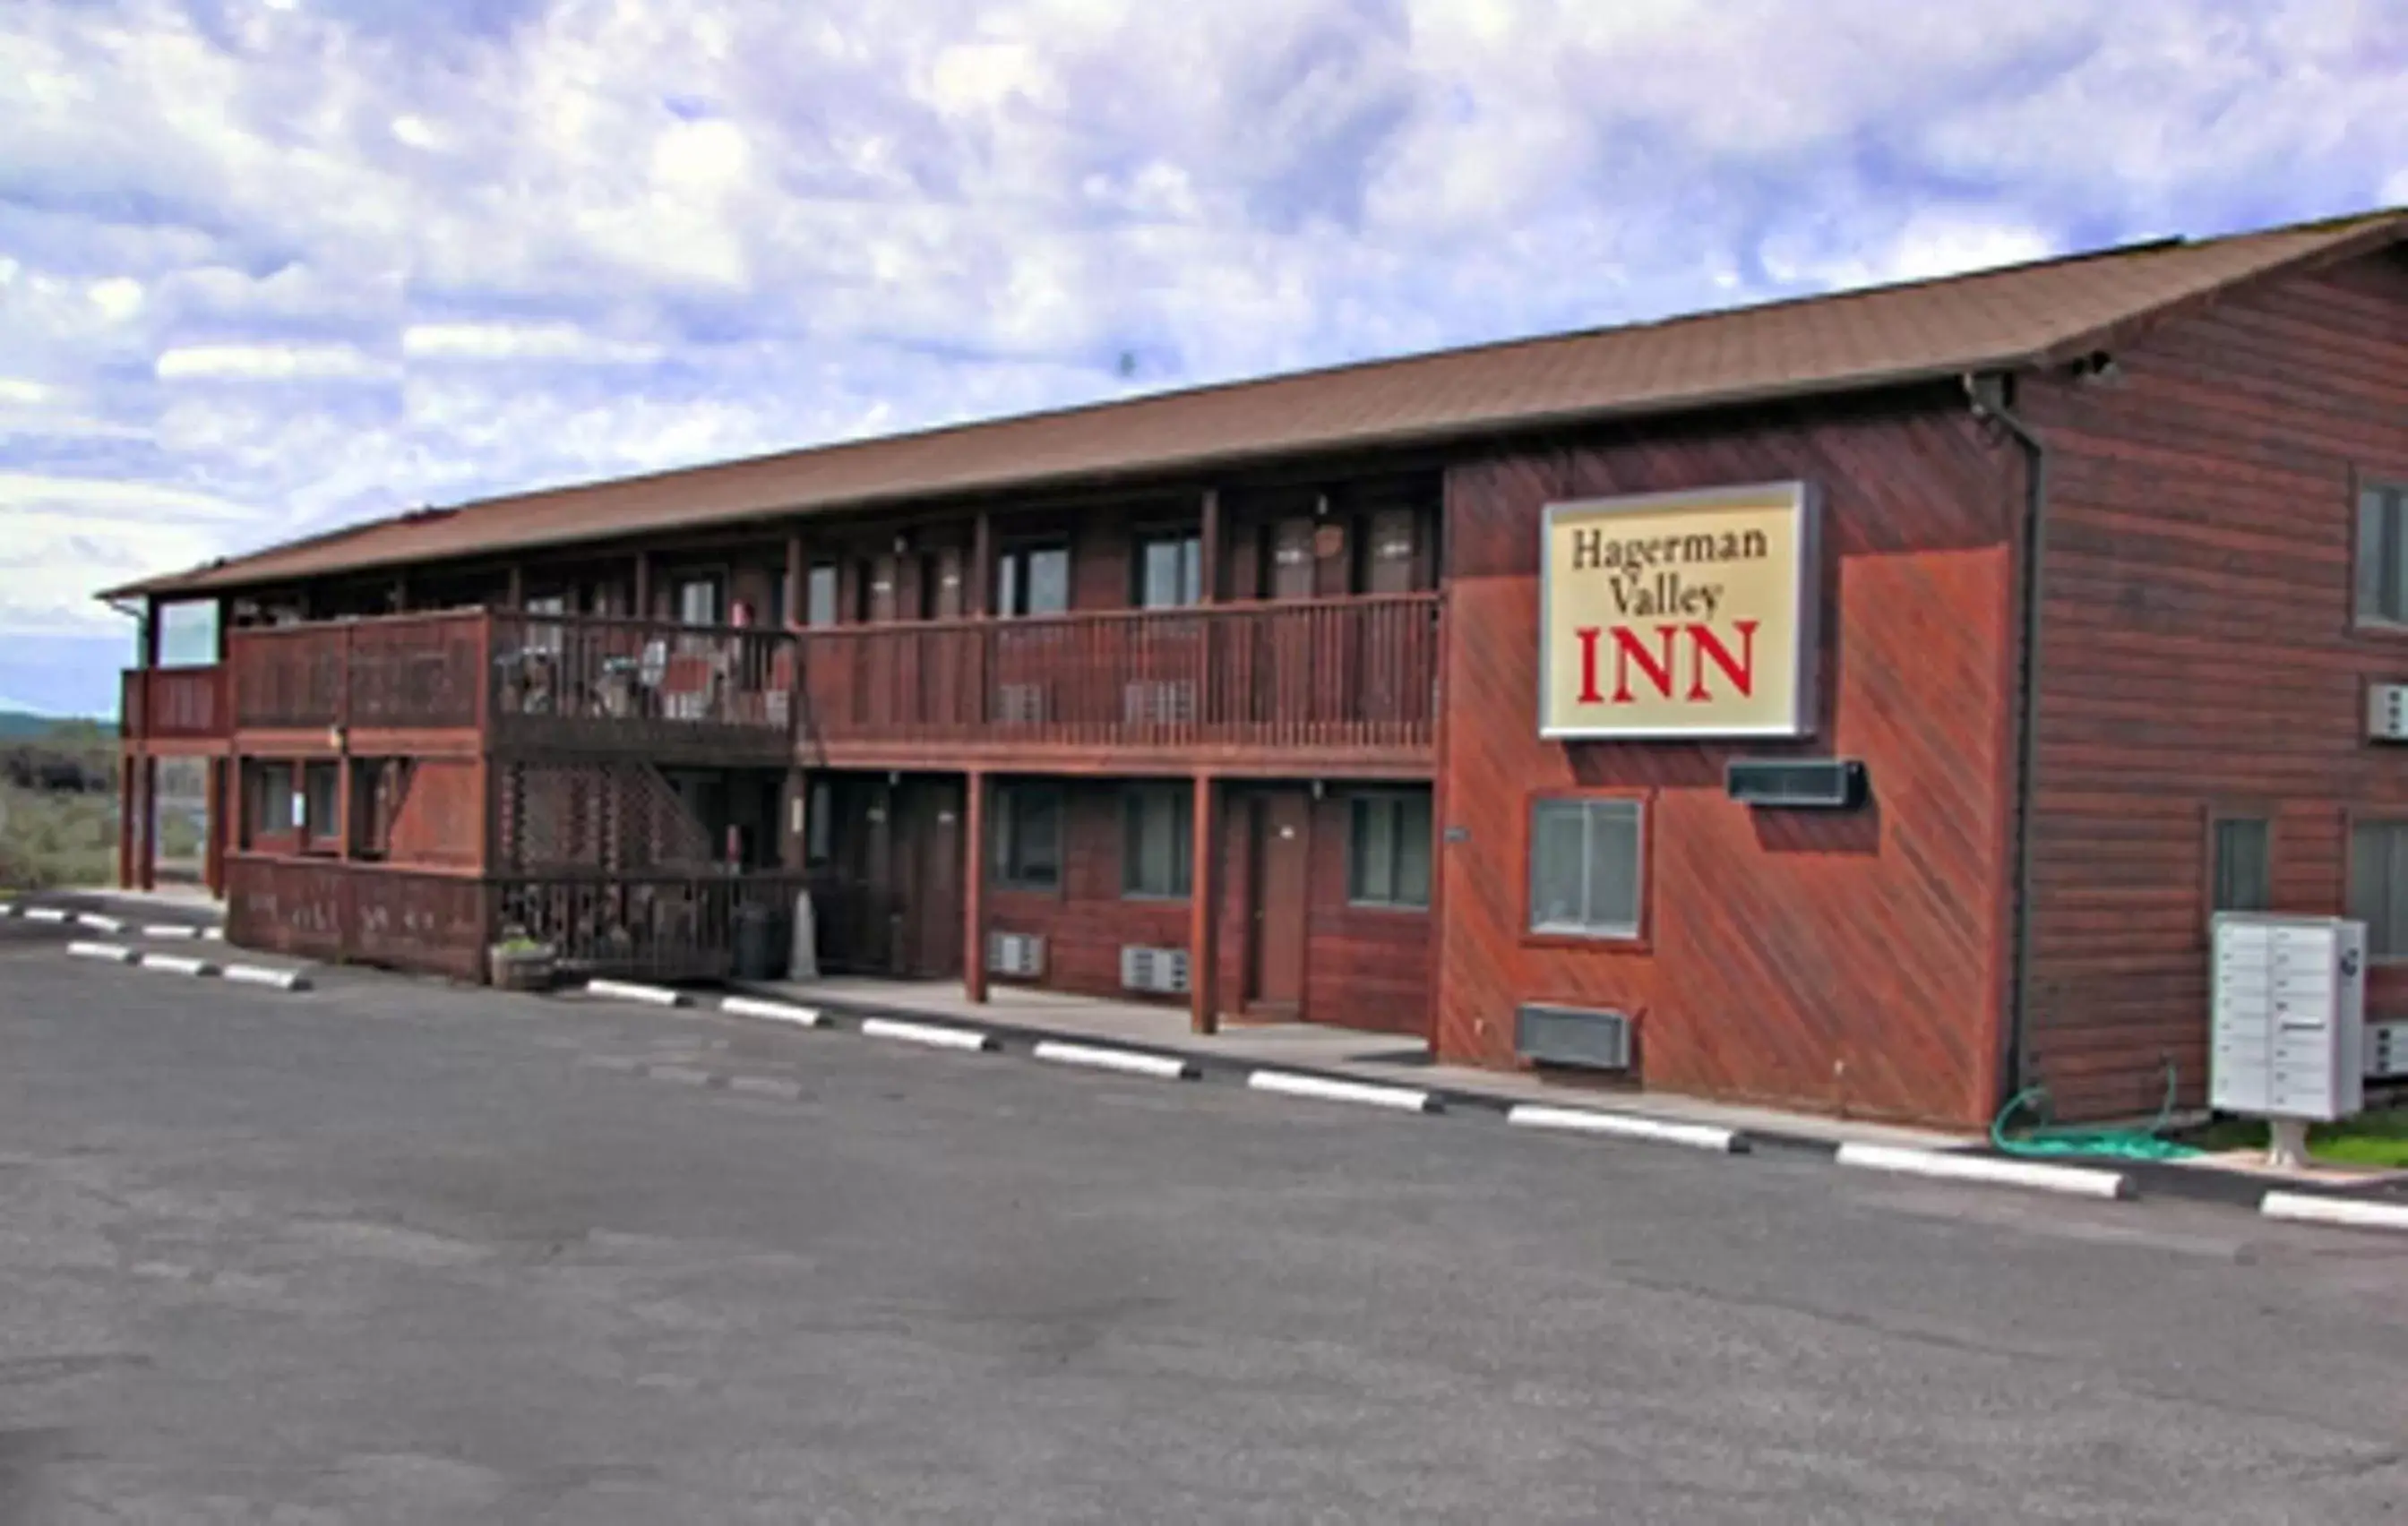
column 267, row 266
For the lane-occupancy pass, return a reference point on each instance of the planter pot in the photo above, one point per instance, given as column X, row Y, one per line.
column 513, row 970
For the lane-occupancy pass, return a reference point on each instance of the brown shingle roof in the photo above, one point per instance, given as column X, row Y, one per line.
column 1991, row 321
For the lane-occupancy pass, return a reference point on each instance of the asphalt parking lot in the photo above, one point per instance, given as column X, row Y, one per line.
column 395, row 1252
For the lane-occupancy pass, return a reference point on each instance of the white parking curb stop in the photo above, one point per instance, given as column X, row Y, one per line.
column 1289, row 1083
column 170, row 930
column 1125, row 1062
column 260, row 975
column 116, row 953
column 1531, row 1115
column 628, row 990
column 747, row 1006
column 928, row 1033
column 47, row 914
column 2077, row 1181
column 99, row 923
column 177, row 964
column 2349, row 1213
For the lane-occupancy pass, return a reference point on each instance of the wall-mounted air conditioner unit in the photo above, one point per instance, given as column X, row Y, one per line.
column 1162, row 703
column 2387, row 712
column 1570, row 1035
column 1019, row 704
column 1017, row 955
column 1163, row 971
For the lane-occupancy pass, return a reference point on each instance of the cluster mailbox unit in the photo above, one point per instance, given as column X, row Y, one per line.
column 2288, row 1023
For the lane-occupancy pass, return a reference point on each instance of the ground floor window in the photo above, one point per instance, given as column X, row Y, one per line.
column 1388, row 850
column 2378, row 886
column 1157, row 840
column 322, row 800
column 1587, row 867
column 1028, row 836
column 2240, row 871
column 818, row 824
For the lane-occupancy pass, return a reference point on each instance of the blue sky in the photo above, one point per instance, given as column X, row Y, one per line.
column 270, row 265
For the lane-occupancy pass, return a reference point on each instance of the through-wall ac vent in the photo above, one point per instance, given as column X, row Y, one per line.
column 1160, row 970
column 1020, row 954
column 1572, row 1035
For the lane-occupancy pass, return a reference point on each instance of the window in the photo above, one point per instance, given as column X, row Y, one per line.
column 321, row 801
column 2378, row 886
column 1388, row 850
column 2383, row 556
column 546, row 637
column 2239, row 878
column 819, row 825
column 819, row 594
column 188, row 633
column 1170, row 571
column 274, row 809
column 1028, row 837
column 1032, row 580
column 1157, row 841
column 697, row 601
column 1585, row 868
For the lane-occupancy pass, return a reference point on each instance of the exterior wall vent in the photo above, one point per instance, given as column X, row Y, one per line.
column 1796, row 783
column 1163, row 971
column 2387, row 712
column 1570, row 1035
column 2386, row 1051
column 1018, row 954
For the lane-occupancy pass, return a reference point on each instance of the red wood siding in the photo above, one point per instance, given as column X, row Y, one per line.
column 1363, row 966
column 1086, row 925
column 2197, row 650
column 1850, row 962
column 440, row 818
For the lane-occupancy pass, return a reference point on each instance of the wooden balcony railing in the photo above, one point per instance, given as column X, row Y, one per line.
column 174, row 704
column 1336, row 674
column 633, row 684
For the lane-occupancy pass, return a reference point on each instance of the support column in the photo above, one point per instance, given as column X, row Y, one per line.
column 514, row 588
column 213, row 854
column 979, row 598
column 1204, row 911
column 974, row 887
column 344, row 824
column 129, row 771
column 796, row 854
column 643, row 600
column 150, row 866
column 1210, row 541
column 794, row 582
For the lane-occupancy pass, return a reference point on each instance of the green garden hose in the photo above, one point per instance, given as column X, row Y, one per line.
column 2046, row 1139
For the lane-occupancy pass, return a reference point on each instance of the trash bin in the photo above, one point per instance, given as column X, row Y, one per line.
column 760, row 942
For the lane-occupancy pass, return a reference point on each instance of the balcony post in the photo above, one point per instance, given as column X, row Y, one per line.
column 213, row 856
column 149, row 865
column 129, row 764
column 514, row 588
column 974, row 887
column 978, row 598
column 643, row 601
column 1204, row 911
column 1208, row 573
column 795, row 581
column 149, row 633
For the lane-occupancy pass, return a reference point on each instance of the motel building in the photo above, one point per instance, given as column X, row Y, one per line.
column 1856, row 704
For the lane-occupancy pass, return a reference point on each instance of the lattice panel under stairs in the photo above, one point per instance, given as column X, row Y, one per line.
column 621, row 817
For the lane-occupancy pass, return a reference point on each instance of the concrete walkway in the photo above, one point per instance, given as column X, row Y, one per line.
column 1391, row 1059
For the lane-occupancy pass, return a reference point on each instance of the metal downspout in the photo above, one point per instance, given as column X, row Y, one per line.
column 1988, row 396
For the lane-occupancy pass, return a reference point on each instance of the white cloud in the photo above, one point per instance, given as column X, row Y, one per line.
column 25, row 393
column 117, row 299
column 270, row 363
column 519, row 342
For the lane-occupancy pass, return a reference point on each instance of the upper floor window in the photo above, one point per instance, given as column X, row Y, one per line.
column 819, row 594
column 2383, row 555
column 1170, row 571
column 1032, row 580
column 698, row 600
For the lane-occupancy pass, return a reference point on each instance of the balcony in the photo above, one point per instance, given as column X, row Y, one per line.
column 1271, row 687
column 164, row 706
column 513, row 680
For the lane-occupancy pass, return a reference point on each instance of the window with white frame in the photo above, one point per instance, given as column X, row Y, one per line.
column 1587, row 867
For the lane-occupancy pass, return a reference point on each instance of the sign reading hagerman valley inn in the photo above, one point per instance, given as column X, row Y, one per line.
column 1679, row 615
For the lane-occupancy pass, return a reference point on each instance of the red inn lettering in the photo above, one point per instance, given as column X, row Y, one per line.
column 1658, row 667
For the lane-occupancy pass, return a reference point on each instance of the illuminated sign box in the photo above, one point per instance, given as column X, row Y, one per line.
column 1679, row 616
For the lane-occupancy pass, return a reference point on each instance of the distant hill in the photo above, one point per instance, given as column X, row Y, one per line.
column 25, row 726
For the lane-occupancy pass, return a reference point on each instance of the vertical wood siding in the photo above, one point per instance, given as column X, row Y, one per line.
column 2197, row 652
column 1851, row 962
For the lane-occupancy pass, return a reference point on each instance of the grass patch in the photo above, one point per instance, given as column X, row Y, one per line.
column 51, row 839
column 2378, row 1139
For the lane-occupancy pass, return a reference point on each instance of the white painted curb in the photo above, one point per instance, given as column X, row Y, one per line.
column 627, row 991
column 1161, row 1068
column 745, row 1006
column 47, row 914
column 2347, row 1212
column 920, row 1033
column 2077, row 1181
column 1530, row 1115
column 116, row 953
column 170, row 930
column 260, row 975
column 99, row 923
column 10, row 909
column 1402, row 1099
column 175, row 965
column 217, row 933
